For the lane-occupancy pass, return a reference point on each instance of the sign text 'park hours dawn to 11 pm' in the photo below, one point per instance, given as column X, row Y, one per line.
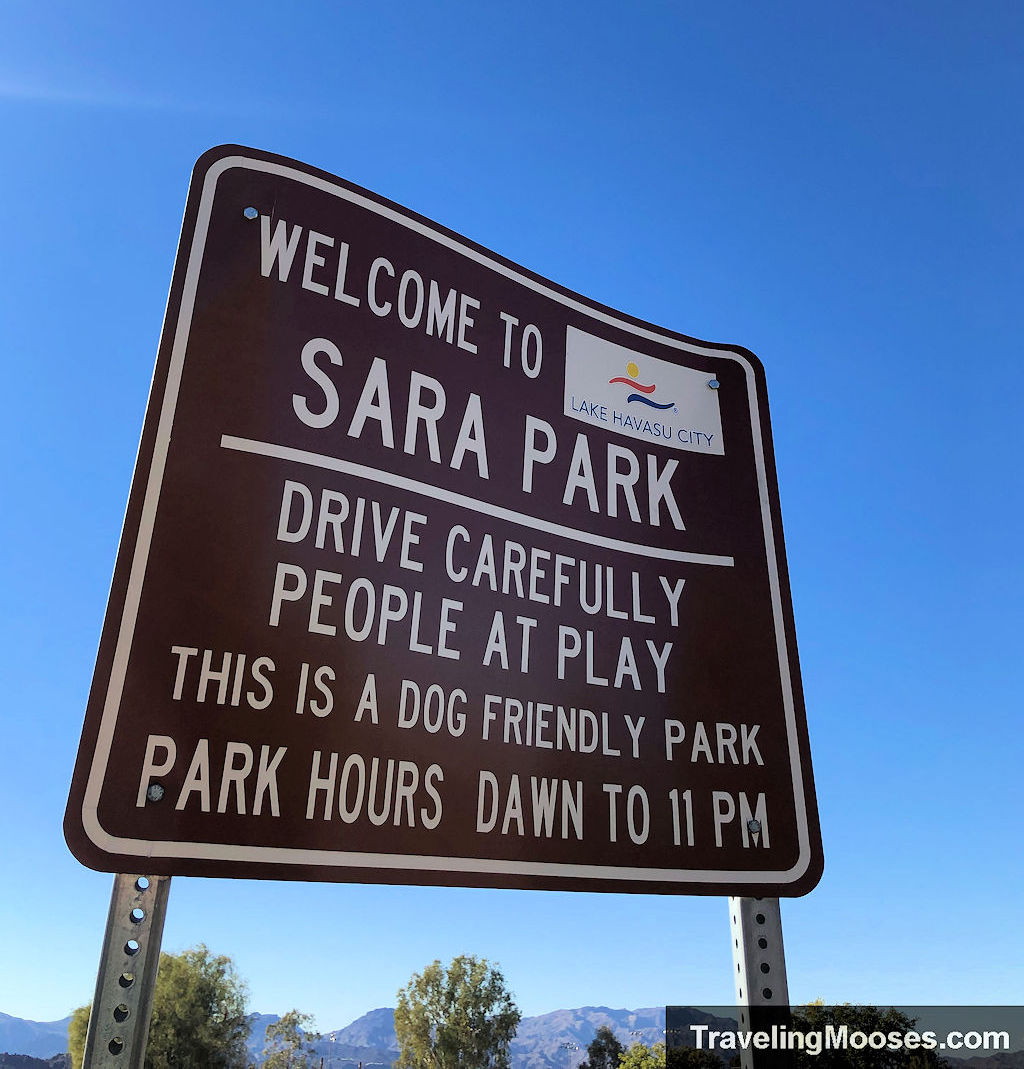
column 436, row 572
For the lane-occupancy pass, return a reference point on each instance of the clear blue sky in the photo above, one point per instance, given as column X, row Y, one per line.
column 834, row 186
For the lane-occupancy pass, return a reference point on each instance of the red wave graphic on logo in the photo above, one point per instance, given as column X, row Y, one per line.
column 631, row 382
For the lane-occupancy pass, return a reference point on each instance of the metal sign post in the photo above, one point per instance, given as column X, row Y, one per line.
column 762, row 991
column 123, row 1002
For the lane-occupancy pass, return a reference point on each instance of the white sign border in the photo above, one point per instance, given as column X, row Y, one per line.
column 145, row 848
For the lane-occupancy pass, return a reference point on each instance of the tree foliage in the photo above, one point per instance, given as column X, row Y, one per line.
column 462, row 1017
column 289, row 1042
column 818, row 1017
column 199, row 1013
column 78, row 1027
column 603, row 1051
column 692, row 1058
column 640, row 1056
column 199, row 1018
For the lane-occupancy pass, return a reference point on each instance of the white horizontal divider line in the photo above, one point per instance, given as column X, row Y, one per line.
column 485, row 508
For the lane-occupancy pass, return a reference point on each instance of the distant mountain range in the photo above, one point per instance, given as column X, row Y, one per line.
column 26, row 1061
column 40, row 1039
column 555, row 1040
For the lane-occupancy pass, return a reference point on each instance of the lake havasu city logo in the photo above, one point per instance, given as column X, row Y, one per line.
column 654, row 400
column 644, row 395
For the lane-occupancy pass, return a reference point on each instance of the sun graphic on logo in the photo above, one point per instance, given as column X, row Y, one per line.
column 643, row 397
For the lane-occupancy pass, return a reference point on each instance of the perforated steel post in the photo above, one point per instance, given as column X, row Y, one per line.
column 121, row 1006
column 762, row 991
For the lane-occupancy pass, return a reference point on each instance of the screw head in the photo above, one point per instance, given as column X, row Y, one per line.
column 250, row 213
column 713, row 384
column 154, row 792
column 754, row 826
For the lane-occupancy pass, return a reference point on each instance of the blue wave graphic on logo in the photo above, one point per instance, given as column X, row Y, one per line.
column 647, row 401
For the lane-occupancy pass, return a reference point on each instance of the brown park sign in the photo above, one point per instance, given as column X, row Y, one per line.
column 436, row 572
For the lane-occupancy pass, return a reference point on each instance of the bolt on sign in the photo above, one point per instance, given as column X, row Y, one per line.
column 434, row 571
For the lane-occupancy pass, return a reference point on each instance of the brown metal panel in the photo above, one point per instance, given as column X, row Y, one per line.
column 375, row 449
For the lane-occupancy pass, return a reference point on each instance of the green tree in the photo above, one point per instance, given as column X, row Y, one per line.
column 462, row 1017
column 77, row 1029
column 818, row 1017
column 691, row 1058
column 199, row 1019
column 199, row 1013
column 603, row 1051
column 640, row 1056
column 289, row 1042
